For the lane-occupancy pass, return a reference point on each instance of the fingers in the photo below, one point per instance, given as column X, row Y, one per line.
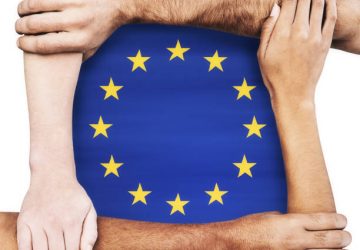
column 330, row 20
column 55, row 239
column 316, row 17
column 302, row 13
column 89, row 233
column 72, row 238
column 24, row 237
column 43, row 23
column 39, row 239
column 53, row 43
column 331, row 239
column 324, row 221
column 267, row 30
column 287, row 14
column 27, row 7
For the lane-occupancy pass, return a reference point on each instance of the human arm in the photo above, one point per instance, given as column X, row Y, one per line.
column 56, row 211
column 260, row 231
column 83, row 25
column 291, row 57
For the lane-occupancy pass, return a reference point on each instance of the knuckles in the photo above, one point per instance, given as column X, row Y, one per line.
column 33, row 5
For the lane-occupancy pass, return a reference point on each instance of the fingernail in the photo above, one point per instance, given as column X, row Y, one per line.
column 275, row 10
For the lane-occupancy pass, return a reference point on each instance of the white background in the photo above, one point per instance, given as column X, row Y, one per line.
column 338, row 107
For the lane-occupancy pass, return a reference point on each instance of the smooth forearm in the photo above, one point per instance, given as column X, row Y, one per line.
column 309, row 188
column 50, row 83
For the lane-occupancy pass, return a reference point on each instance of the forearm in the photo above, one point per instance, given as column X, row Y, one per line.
column 309, row 188
column 124, row 234
column 237, row 16
column 128, row 234
column 242, row 17
column 50, row 82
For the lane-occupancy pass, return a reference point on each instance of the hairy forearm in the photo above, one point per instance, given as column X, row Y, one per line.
column 124, row 234
column 309, row 188
column 50, row 83
column 127, row 234
column 242, row 17
column 237, row 16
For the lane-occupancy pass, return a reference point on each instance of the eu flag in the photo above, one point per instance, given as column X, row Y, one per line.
column 173, row 124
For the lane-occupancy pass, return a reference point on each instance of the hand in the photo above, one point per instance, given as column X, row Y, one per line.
column 69, row 26
column 289, row 231
column 56, row 214
column 293, row 48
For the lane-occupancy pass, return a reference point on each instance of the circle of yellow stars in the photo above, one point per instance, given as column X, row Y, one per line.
column 112, row 167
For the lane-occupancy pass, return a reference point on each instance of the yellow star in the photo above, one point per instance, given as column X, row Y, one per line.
column 216, row 194
column 100, row 128
column 245, row 167
column 244, row 90
column 139, row 195
column 111, row 167
column 138, row 61
column 215, row 61
column 254, row 128
column 177, row 205
column 111, row 90
column 178, row 51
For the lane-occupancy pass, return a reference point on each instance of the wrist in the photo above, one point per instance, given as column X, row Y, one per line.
column 52, row 161
column 289, row 103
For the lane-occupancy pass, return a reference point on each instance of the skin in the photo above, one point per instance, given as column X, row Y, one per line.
column 83, row 25
column 51, row 145
column 259, row 231
column 50, row 218
column 291, row 56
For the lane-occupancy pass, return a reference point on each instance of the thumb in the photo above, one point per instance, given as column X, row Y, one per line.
column 267, row 30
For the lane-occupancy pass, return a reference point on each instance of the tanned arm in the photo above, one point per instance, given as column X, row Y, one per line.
column 291, row 55
column 83, row 25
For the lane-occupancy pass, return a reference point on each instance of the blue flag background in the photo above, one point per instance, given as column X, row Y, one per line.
column 176, row 128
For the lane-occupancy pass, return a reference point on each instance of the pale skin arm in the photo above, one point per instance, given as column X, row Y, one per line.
column 83, row 25
column 56, row 212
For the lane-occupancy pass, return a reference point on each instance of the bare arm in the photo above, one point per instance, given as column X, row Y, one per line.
column 243, row 17
column 83, row 25
column 309, row 188
column 291, row 78
column 56, row 209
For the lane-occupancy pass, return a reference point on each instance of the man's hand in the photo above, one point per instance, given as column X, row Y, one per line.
column 68, row 26
column 290, row 231
column 56, row 214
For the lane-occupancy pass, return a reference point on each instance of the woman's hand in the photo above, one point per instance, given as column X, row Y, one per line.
column 56, row 214
column 69, row 26
column 293, row 48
